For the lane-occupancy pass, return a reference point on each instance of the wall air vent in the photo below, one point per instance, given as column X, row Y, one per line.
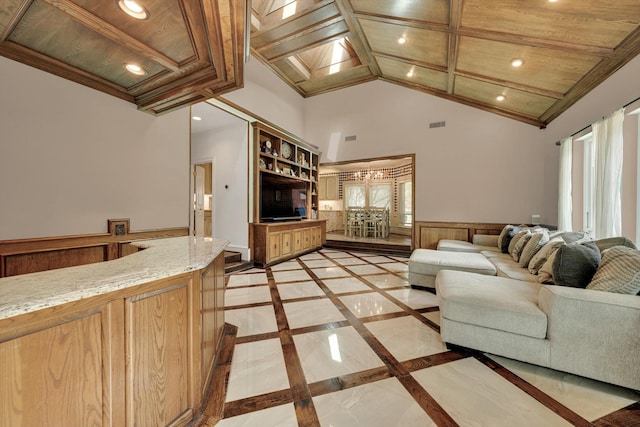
column 350, row 138
column 437, row 125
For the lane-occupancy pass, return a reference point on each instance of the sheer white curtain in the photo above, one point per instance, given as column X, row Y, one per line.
column 607, row 139
column 564, row 187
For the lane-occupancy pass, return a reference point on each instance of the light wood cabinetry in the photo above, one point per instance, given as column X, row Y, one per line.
column 275, row 242
column 328, row 188
column 295, row 164
column 139, row 356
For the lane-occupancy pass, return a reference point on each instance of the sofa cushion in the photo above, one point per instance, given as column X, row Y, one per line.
column 538, row 260
column 491, row 302
column 505, row 237
column 619, row 271
column 456, row 246
column 535, row 243
column 429, row 262
column 575, row 264
column 569, row 236
column 520, row 244
column 509, row 268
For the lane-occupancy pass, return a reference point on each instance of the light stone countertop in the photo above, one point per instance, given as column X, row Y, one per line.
column 161, row 258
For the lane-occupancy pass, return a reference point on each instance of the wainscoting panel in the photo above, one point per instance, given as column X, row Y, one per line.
column 426, row 234
column 48, row 253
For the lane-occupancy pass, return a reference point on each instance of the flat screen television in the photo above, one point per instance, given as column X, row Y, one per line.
column 282, row 198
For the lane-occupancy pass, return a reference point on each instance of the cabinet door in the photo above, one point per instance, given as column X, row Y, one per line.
column 306, row 239
column 322, row 188
column 332, row 188
column 157, row 357
column 316, row 237
column 286, row 244
column 274, row 241
column 297, row 241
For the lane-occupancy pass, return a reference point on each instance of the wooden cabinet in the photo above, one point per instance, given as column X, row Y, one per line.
column 285, row 162
column 275, row 242
column 328, row 188
column 139, row 356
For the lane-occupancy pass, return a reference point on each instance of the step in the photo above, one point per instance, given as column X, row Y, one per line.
column 231, row 257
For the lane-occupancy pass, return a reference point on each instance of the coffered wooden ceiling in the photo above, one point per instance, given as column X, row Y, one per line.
column 456, row 49
column 191, row 50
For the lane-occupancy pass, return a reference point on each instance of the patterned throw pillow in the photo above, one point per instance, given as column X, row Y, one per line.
column 520, row 244
column 515, row 239
column 536, row 242
column 543, row 254
column 545, row 274
column 619, row 271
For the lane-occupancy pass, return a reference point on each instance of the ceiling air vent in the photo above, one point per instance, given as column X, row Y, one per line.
column 436, row 125
column 350, row 138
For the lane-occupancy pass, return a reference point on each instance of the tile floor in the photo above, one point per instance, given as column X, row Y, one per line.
column 338, row 338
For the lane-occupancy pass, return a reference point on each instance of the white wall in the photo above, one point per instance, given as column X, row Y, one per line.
column 72, row 157
column 479, row 167
column 227, row 148
column 267, row 96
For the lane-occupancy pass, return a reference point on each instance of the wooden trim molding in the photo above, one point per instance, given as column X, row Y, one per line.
column 426, row 234
column 47, row 253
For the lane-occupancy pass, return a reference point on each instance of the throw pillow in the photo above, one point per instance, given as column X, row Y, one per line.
column 503, row 244
column 512, row 230
column 545, row 274
column 515, row 239
column 575, row 264
column 609, row 242
column 543, row 254
column 535, row 243
column 520, row 244
column 619, row 271
column 573, row 236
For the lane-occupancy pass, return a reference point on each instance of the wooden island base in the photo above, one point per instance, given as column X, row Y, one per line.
column 139, row 355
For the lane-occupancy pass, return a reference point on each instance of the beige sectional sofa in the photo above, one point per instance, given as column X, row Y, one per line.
column 586, row 332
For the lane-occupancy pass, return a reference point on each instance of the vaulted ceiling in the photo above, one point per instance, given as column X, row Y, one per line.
column 182, row 51
column 461, row 50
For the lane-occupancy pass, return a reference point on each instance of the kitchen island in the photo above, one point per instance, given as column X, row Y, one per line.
column 125, row 342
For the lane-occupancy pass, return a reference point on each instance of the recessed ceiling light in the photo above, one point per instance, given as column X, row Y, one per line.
column 196, row 118
column 552, row 1
column 135, row 69
column 410, row 73
column 500, row 98
column 402, row 40
column 517, row 62
column 133, row 9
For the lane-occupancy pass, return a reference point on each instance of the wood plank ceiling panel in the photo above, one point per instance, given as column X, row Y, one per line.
column 399, row 71
column 424, row 46
column 436, row 11
column 600, row 23
column 543, row 69
column 528, row 104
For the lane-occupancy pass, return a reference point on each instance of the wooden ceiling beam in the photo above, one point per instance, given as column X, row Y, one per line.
column 404, row 60
column 357, row 38
column 455, row 16
column 404, row 22
column 15, row 19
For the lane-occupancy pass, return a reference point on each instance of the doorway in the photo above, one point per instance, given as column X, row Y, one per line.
column 350, row 190
column 203, row 199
